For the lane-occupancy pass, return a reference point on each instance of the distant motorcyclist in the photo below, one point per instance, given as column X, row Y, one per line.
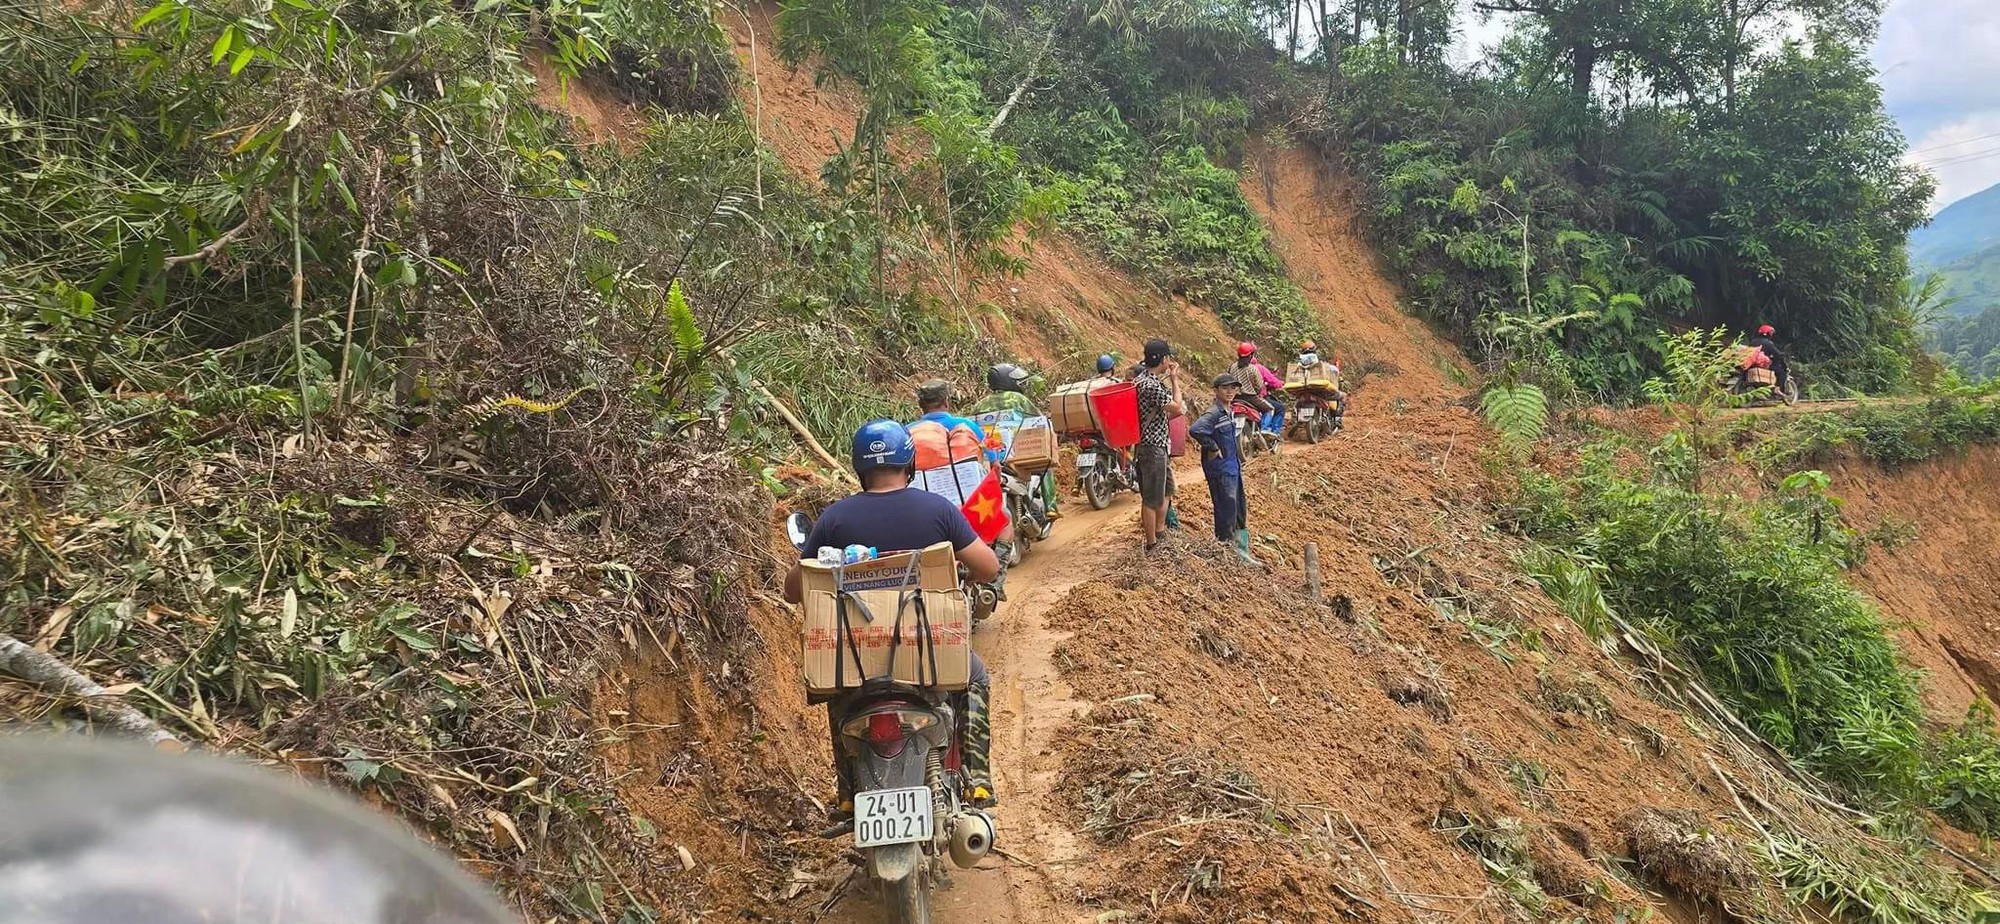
column 1260, row 387
column 951, row 457
column 891, row 515
column 1107, row 371
column 1309, row 355
column 1763, row 341
column 1009, row 385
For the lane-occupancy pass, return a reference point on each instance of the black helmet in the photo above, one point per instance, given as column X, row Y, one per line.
column 100, row 831
column 1105, row 364
column 1007, row 377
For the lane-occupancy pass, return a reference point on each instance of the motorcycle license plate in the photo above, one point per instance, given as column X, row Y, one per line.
column 1086, row 459
column 1306, row 413
column 892, row 816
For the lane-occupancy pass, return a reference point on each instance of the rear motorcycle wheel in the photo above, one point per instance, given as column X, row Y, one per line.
column 1096, row 488
column 908, row 901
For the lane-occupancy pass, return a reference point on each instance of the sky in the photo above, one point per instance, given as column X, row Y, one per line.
column 1940, row 64
column 1940, row 72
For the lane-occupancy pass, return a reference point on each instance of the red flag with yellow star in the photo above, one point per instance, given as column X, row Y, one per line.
column 987, row 508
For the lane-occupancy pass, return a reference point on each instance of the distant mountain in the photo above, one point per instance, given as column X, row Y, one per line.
column 1965, row 228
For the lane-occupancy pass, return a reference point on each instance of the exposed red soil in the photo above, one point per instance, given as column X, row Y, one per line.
column 596, row 114
column 1381, row 709
column 1940, row 589
column 1312, row 215
column 802, row 122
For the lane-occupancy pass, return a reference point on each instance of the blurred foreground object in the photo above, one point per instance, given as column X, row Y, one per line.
column 99, row 832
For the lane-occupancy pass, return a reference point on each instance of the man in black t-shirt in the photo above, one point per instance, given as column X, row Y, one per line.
column 890, row 516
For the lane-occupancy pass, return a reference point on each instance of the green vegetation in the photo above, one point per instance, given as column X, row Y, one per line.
column 1130, row 115
column 1888, row 435
column 1971, row 345
column 1754, row 592
column 1628, row 166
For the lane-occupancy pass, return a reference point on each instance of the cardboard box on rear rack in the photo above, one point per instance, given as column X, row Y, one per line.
column 1034, row 447
column 902, row 615
column 1070, row 410
column 1319, row 375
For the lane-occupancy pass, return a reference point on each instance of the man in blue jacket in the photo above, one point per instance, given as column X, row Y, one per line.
column 1222, row 465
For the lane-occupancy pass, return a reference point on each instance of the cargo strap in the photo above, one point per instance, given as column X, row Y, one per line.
column 843, row 626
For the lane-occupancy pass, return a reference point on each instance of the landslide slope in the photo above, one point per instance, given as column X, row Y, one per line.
column 1181, row 737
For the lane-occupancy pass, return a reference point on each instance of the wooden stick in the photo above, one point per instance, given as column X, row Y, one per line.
column 44, row 670
column 1312, row 572
column 798, row 426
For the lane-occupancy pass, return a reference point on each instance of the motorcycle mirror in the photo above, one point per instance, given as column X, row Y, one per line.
column 797, row 527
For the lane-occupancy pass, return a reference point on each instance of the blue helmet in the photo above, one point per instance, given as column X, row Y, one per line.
column 1105, row 364
column 882, row 444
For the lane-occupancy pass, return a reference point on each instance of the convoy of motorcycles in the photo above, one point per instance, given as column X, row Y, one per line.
column 901, row 744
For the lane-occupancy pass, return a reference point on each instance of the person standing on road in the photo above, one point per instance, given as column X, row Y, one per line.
column 1156, row 407
column 1222, row 467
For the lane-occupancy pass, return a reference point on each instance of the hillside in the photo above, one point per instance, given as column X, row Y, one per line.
column 1965, row 229
column 429, row 433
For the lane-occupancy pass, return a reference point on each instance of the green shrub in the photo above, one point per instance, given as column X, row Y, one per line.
column 1755, row 594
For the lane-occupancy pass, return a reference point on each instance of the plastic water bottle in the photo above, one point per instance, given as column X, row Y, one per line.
column 858, row 552
column 830, row 555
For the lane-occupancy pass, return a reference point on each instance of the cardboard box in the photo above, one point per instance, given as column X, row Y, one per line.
column 1760, row 376
column 881, row 596
column 1070, row 410
column 1319, row 375
column 1034, row 447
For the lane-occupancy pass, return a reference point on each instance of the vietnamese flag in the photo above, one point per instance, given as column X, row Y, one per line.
column 986, row 508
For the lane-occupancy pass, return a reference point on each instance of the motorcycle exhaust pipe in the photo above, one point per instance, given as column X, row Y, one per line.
column 986, row 598
column 972, row 836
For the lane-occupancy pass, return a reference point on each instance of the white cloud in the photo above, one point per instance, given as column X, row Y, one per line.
column 1940, row 63
column 1964, row 156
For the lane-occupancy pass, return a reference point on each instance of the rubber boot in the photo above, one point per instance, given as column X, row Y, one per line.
column 979, row 747
column 1243, row 548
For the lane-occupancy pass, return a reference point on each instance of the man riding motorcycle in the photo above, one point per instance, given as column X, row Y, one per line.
column 1260, row 387
column 890, row 515
column 1009, row 385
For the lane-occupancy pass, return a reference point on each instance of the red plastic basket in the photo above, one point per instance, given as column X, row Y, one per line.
column 1117, row 408
column 1177, row 436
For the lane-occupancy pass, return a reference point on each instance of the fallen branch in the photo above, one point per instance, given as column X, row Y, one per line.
column 798, row 426
column 1021, row 89
column 19, row 659
column 212, row 249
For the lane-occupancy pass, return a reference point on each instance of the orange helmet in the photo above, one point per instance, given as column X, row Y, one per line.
column 1246, row 348
column 1767, row 330
column 1307, row 346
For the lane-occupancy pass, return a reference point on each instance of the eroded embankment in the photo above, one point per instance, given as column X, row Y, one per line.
column 1935, row 566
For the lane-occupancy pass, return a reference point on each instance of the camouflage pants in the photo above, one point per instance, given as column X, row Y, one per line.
column 978, row 742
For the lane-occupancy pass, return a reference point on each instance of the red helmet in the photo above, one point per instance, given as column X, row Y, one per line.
column 1246, row 348
column 1767, row 330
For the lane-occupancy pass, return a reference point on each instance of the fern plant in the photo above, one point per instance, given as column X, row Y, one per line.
column 1520, row 412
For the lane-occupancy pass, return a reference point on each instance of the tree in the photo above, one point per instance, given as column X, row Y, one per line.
column 1812, row 203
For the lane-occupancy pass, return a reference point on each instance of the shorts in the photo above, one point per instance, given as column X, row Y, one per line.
column 1156, row 476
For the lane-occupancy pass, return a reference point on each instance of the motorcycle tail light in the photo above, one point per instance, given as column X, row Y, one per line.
column 886, row 731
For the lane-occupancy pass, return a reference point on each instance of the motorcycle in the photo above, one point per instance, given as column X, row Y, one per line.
column 1102, row 471
column 1318, row 413
column 1757, row 384
column 903, row 746
column 1026, row 509
column 1251, row 437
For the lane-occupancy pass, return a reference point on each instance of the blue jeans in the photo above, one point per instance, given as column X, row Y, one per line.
column 1225, row 493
